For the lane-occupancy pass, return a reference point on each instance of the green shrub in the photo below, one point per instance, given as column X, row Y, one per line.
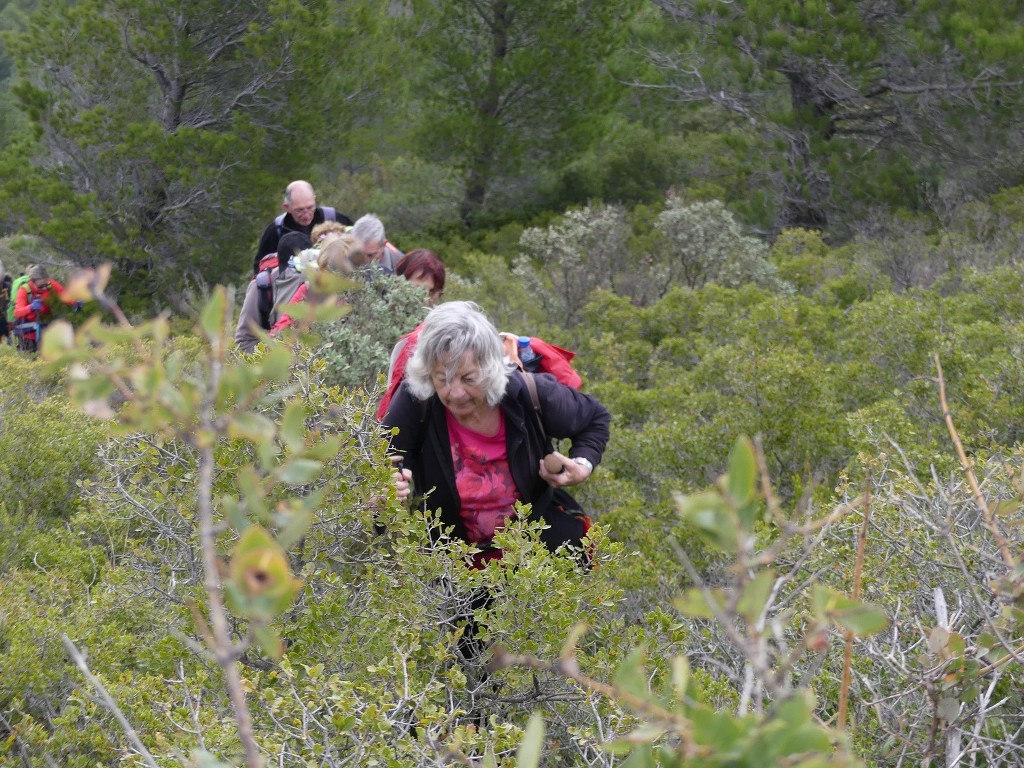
column 356, row 348
column 45, row 447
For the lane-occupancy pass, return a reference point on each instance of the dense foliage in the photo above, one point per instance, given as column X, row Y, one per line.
column 717, row 623
column 808, row 521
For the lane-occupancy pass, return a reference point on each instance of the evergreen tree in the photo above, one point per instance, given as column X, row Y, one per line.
column 858, row 97
column 512, row 84
column 160, row 128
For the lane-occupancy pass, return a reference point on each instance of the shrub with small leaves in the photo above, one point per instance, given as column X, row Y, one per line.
column 356, row 348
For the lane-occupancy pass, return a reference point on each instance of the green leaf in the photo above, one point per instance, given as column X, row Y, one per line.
column 640, row 757
column 716, row 523
column 327, row 448
column 268, row 641
column 859, row 618
column 276, row 363
column 948, row 709
column 252, row 426
column 680, row 678
column 755, row 595
column 1007, row 507
column 937, row 640
column 58, row 338
column 293, row 425
column 298, row 525
column 718, row 730
column 742, row 477
column 693, row 602
column 298, row 471
column 212, row 316
column 532, row 746
column 310, row 503
column 251, row 487
column 630, row 677
column 232, row 511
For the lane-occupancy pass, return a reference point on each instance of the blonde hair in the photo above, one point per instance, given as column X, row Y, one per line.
column 327, row 228
column 342, row 255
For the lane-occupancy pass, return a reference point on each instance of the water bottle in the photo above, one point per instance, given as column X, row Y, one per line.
column 529, row 358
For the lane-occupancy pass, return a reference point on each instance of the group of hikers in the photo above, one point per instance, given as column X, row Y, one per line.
column 308, row 241
column 473, row 411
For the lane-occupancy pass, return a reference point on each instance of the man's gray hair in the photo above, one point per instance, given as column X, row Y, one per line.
column 369, row 229
column 297, row 184
column 450, row 331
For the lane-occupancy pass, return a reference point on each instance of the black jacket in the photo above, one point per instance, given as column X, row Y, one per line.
column 423, row 441
column 271, row 235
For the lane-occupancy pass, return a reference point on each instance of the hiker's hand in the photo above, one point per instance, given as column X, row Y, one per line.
column 36, row 305
column 567, row 471
column 402, row 478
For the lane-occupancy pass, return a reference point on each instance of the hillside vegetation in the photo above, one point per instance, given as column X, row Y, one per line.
column 784, row 239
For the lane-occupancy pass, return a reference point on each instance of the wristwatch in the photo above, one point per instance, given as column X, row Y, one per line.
column 584, row 463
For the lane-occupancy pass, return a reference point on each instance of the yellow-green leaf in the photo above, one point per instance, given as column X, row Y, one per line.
column 298, row 471
column 212, row 316
column 532, row 745
column 755, row 595
column 293, row 425
column 742, row 476
column 58, row 338
column 252, row 426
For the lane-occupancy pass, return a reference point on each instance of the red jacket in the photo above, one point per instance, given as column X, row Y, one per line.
column 285, row 320
column 23, row 302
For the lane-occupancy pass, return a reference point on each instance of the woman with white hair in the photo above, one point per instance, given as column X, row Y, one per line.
column 473, row 443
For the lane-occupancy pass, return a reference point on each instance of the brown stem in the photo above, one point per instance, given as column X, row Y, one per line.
column 858, row 570
column 224, row 650
column 972, row 480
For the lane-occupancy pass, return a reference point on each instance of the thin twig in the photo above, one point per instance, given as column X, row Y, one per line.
column 679, row 725
column 972, row 480
column 858, row 570
column 108, row 701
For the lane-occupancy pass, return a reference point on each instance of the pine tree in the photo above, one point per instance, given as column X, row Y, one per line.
column 858, row 97
column 511, row 84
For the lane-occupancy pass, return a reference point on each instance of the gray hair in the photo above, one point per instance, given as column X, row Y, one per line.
column 368, row 228
column 298, row 183
column 37, row 273
column 450, row 331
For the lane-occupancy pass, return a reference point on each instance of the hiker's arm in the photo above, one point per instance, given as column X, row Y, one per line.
column 566, row 413
column 248, row 319
column 23, row 304
column 404, row 418
column 61, row 292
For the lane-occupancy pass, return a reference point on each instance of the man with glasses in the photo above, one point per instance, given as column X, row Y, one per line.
column 301, row 214
column 382, row 255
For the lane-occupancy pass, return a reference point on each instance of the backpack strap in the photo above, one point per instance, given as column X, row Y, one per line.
column 531, row 384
